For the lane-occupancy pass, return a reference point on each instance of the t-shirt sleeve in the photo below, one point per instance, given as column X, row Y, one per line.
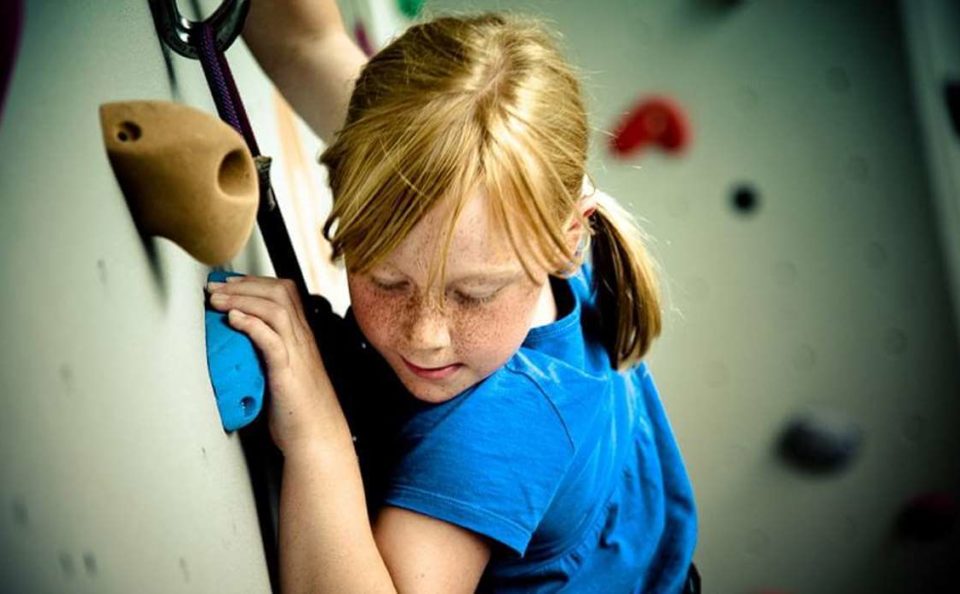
column 489, row 461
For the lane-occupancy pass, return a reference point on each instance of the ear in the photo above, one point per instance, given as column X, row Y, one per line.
column 588, row 198
column 588, row 204
column 586, row 207
column 577, row 236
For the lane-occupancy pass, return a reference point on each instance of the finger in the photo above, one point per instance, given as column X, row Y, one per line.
column 281, row 290
column 243, row 284
column 268, row 342
column 275, row 315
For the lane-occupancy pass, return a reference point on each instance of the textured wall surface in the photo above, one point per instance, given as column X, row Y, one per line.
column 831, row 295
column 116, row 475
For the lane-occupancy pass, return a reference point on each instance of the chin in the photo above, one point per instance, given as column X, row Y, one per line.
column 434, row 396
column 432, row 392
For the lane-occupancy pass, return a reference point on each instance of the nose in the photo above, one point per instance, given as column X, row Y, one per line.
column 427, row 328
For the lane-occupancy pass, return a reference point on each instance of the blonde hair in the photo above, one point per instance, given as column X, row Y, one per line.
column 485, row 102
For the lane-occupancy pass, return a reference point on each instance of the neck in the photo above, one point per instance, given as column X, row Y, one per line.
column 546, row 309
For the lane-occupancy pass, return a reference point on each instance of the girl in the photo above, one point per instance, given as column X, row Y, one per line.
column 481, row 418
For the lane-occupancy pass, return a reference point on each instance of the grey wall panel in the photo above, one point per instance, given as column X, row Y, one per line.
column 116, row 475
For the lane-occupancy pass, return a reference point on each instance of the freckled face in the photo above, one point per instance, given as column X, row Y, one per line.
column 436, row 350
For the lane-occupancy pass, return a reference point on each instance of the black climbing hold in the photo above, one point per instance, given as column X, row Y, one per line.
column 745, row 199
column 820, row 443
column 951, row 96
column 11, row 28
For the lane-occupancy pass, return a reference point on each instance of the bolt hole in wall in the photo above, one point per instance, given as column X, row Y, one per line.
column 820, row 161
column 249, row 405
column 745, row 200
column 232, row 175
column 128, row 132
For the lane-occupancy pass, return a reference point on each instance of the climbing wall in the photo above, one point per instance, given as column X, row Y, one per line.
column 116, row 474
column 804, row 274
column 802, row 264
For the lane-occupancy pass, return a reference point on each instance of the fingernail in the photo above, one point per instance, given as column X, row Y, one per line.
column 236, row 314
column 218, row 299
column 213, row 286
column 234, row 279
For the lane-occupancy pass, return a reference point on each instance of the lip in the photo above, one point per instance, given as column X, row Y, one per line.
column 433, row 373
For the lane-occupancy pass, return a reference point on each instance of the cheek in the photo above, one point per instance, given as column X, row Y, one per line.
column 498, row 332
column 375, row 315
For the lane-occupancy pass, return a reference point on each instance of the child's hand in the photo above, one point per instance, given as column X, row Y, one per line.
column 303, row 405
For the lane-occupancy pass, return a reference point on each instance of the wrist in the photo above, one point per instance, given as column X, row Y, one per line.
column 335, row 441
column 304, row 417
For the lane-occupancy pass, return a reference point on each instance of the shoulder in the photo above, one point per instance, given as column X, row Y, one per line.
column 579, row 392
column 508, row 410
column 490, row 460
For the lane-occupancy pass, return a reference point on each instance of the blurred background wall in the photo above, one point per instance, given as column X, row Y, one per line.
column 808, row 237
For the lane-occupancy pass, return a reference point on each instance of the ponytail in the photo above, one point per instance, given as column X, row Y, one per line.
column 624, row 277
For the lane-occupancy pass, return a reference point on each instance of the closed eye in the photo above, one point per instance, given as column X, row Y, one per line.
column 470, row 299
column 388, row 286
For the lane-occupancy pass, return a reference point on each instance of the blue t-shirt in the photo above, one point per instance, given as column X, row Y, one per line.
column 568, row 466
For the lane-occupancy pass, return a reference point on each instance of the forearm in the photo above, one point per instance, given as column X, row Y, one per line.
column 304, row 48
column 326, row 542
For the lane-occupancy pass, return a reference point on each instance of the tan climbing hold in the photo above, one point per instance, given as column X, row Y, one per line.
column 187, row 176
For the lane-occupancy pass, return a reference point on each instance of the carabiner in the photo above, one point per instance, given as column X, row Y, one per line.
column 183, row 35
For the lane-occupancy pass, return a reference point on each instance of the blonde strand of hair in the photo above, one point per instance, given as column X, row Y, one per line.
column 625, row 277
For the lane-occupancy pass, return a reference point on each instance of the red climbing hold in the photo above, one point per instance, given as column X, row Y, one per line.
column 655, row 121
column 928, row 517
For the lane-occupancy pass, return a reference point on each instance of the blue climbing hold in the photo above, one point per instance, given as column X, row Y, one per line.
column 236, row 371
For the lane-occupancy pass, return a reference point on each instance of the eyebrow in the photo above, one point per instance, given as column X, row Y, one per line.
column 486, row 277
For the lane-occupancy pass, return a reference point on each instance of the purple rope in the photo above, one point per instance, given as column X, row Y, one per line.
column 230, row 107
column 223, row 88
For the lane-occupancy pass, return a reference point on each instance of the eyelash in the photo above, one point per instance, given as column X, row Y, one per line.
column 390, row 287
column 471, row 301
column 463, row 299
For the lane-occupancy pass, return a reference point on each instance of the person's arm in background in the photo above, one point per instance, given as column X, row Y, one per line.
column 306, row 51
